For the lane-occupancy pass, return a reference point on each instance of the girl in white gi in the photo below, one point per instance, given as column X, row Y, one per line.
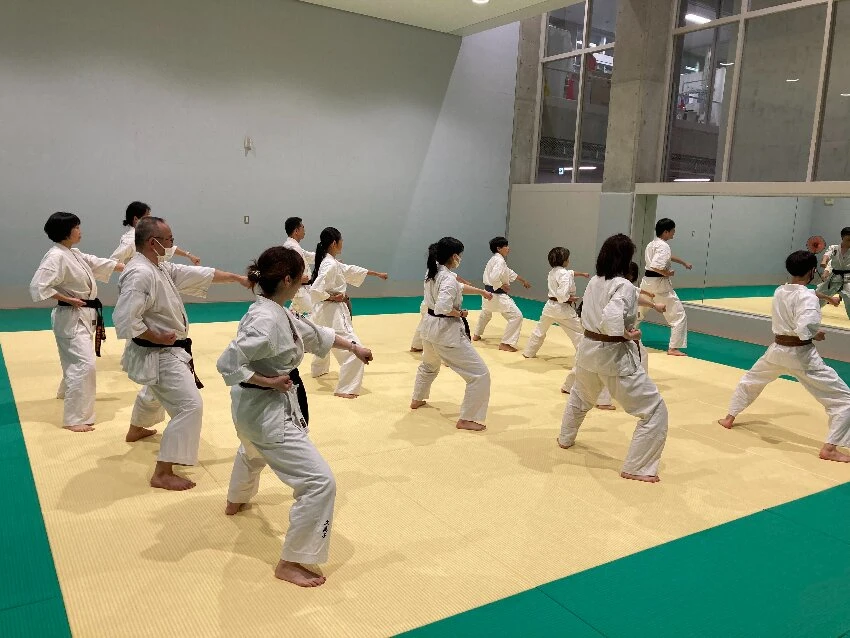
column 445, row 336
column 497, row 280
column 330, row 309
column 127, row 245
column 150, row 315
column 657, row 281
column 796, row 324
column 608, row 357
column 836, row 261
column 416, row 344
column 68, row 276
column 295, row 231
column 261, row 365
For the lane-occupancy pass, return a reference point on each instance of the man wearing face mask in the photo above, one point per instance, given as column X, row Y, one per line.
column 150, row 315
column 796, row 324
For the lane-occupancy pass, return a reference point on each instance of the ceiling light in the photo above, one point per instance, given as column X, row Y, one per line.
column 845, row 95
column 691, row 68
column 481, row 1
column 692, row 17
column 793, row 80
column 692, row 179
column 727, row 64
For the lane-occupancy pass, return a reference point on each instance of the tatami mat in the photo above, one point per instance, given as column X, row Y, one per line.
column 832, row 316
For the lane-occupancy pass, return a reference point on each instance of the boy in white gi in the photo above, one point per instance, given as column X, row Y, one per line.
column 657, row 281
column 150, row 315
column 796, row 319
column 497, row 280
column 260, row 365
column 68, row 276
column 608, row 357
column 127, row 245
column 445, row 336
column 331, row 309
column 836, row 261
column 295, row 231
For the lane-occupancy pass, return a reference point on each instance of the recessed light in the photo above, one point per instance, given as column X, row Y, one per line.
column 692, row 179
column 845, row 95
column 727, row 64
column 793, row 80
column 692, row 17
column 480, row 1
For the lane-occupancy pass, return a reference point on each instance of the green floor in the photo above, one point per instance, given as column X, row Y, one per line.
column 780, row 572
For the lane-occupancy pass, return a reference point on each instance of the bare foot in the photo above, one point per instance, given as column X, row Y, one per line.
column 562, row 446
column 298, row 575
column 416, row 349
column 470, row 425
column 476, row 338
column 831, row 453
column 605, row 406
column 345, row 396
column 727, row 422
column 528, row 356
column 640, row 477
column 675, row 352
column 171, row 482
column 564, row 391
column 416, row 404
column 235, row 508
column 78, row 428
column 506, row 347
column 135, row 433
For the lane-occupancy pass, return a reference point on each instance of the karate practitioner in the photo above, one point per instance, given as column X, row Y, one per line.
column 656, row 280
column 330, row 309
column 261, row 366
column 445, row 336
column 497, row 279
column 416, row 344
column 608, row 358
column 836, row 261
column 127, row 245
column 296, row 232
column 68, row 276
column 796, row 319
column 150, row 315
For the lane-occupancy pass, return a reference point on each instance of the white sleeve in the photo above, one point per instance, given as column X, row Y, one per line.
column 190, row 280
column 446, row 295
column 318, row 340
column 123, row 253
column 309, row 258
column 134, row 299
column 49, row 274
column 249, row 345
column 317, row 288
column 808, row 320
column 660, row 257
column 565, row 285
column 101, row 268
column 354, row 275
column 615, row 311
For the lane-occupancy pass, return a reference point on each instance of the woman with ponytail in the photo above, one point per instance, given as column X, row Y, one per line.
column 445, row 336
column 270, row 411
column 127, row 245
column 330, row 308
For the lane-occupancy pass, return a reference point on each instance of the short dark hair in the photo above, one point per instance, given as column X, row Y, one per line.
column 496, row 243
column 663, row 225
column 273, row 266
column 291, row 225
column 440, row 252
column 634, row 272
column 59, row 226
column 615, row 256
column 135, row 210
column 147, row 228
column 800, row 263
column 557, row 256
column 845, row 231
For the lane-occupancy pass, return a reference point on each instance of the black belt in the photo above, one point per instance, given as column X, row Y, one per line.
column 652, row 273
column 300, row 392
column 463, row 319
column 186, row 344
column 841, row 272
column 497, row 291
column 100, row 326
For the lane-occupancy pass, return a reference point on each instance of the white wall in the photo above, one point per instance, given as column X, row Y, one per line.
column 828, row 221
column 366, row 125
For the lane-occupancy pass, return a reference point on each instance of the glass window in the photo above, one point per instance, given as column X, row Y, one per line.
column 603, row 19
column 700, row 103
column 594, row 117
column 694, row 12
column 755, row 5
column 776, row 96
column 561, row 80
column 833, row 162
column 564, row 30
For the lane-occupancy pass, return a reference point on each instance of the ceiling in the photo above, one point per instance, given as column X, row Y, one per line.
column 459, row 17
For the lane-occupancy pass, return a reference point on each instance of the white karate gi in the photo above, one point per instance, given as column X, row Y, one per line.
column 444, row 338
column 271, row 341
column 836, row 284
column 334, row 277
column 72, row 273
column 796, row 312
column 562, row 286
column 149, row 298
column 657, row 257
column 302, row 303
column 497, row 274
column 127, row 247
column 416, row 344
column 610, row 307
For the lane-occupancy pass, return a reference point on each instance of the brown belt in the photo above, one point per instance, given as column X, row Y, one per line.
column 553, row 299
column 596, row 336
column 788, row 340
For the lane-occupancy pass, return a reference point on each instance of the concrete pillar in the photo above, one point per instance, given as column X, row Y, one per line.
column 638, row 93
column 527, row 79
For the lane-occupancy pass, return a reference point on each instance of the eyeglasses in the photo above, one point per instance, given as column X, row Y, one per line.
column 168, row 239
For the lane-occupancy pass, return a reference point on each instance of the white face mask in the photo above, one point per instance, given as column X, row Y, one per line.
column 458, row 260
column 164, row 256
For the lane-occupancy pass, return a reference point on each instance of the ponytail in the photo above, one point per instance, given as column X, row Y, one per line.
column 440, row 253
column 432, row 262
column 328, row 236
